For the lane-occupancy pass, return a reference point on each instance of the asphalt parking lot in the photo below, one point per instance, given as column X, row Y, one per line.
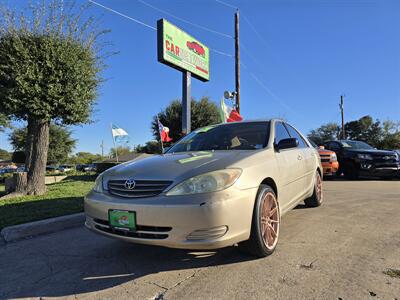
column 338, row 251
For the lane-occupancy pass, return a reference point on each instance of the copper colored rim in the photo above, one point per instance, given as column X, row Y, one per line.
column 270, row 219
column 318, row 187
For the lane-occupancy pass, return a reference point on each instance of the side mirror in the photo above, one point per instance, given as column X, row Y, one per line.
column 287, row 143
column 166, row 149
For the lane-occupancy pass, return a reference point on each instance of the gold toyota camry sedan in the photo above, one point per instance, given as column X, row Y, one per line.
column 219, row 186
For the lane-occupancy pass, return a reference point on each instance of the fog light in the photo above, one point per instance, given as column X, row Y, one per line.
column 366, row 166
column 209, row 233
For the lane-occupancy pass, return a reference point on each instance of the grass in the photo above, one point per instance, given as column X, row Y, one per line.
column 62, row 198
column 392, row 273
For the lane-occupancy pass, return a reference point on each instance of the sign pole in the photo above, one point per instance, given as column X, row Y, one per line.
column 237, row 61
column 115, row 146
column 186, row 101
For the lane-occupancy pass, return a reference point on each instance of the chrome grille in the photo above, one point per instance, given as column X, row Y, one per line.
column 142, row 189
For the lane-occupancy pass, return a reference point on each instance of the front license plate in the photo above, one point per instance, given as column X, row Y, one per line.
column 122, row 219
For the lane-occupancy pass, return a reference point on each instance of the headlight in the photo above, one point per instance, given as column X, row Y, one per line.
column 208, row 182
column 364, row 156
column 98, row 184
column 397, row 156
column 333, row 157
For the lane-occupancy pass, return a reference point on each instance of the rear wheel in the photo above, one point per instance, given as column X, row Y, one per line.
column 265, row 224
column 317, row 196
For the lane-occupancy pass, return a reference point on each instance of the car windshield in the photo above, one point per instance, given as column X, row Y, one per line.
column 356, row 145
column 235, row 136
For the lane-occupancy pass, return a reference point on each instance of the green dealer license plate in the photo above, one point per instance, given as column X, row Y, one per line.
column 122, row 219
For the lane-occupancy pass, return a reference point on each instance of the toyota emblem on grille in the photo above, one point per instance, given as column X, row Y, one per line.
column 130, row 184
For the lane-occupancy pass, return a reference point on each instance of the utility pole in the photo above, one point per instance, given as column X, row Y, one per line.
column 342, row 111
column 102, row 148
column 237, row 61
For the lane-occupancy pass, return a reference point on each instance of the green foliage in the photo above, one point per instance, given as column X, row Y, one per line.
column 151, row 147
column 84, row 158
column 103, row 166
column 4, row 122
column 50, row 64
column 120, row 150
column 326, row 132
column 62, row 198
column 61, row 143
column 203, row 113
column 5, row 155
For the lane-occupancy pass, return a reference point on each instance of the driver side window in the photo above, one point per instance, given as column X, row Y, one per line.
column 280, row 132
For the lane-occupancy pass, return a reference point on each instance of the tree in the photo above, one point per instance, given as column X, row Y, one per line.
column 84, row 158
column 61, row 143
column 51, row 60
column 120, row 150
column 384, row 135
column 203, row 113
column 326, row 132
column 364, row 129
column 4, row 122
column 151, row 147
column 5, row 155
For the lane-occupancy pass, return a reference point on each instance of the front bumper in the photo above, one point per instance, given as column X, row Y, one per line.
column 330, row 168
column 202, row 221
column 371, row 169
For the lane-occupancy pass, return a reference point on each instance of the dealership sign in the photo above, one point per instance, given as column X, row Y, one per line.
column 181, row 51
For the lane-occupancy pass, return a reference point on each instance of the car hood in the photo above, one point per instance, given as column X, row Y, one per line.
column 176, row 166
column 372, row 152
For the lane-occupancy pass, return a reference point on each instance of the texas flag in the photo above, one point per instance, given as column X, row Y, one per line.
column 164, row 132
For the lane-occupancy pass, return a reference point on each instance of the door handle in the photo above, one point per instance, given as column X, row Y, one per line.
column 299, row 157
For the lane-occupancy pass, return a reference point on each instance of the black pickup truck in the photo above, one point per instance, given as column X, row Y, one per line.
column 358, row 159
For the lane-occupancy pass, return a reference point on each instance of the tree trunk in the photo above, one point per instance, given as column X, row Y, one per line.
column 20, row 179
column 29, row 144
column 36, row 182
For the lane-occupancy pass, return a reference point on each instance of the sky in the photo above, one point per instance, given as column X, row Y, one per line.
column 298, row 57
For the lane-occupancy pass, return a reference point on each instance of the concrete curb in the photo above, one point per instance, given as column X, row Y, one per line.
column 17, row 232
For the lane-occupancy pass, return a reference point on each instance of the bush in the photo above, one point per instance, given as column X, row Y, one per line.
column 5, row 176
column 101, row 167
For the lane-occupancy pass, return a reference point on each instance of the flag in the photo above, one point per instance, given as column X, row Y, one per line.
column 229, row 114
column 119, row 134
column 164, row 132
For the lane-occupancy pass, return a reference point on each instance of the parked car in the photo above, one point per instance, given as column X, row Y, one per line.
column 65, row 168
column 218, row 186
column 90, row 168
column 52, row 169
column 358, row 159
column 328, row 158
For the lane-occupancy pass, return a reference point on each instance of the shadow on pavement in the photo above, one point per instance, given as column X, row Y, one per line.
column 76, row 261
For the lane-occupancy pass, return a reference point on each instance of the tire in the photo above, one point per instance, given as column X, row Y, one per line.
column 265, row 224
column 316, row 199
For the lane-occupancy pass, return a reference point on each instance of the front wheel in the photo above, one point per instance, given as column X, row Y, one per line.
column 316, row 198
column 265, row 224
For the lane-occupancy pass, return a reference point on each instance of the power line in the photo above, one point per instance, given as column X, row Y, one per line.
column 149, row 26
column 226, row 4
column 253, row 28
column 185, row 21
column 123, row 15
